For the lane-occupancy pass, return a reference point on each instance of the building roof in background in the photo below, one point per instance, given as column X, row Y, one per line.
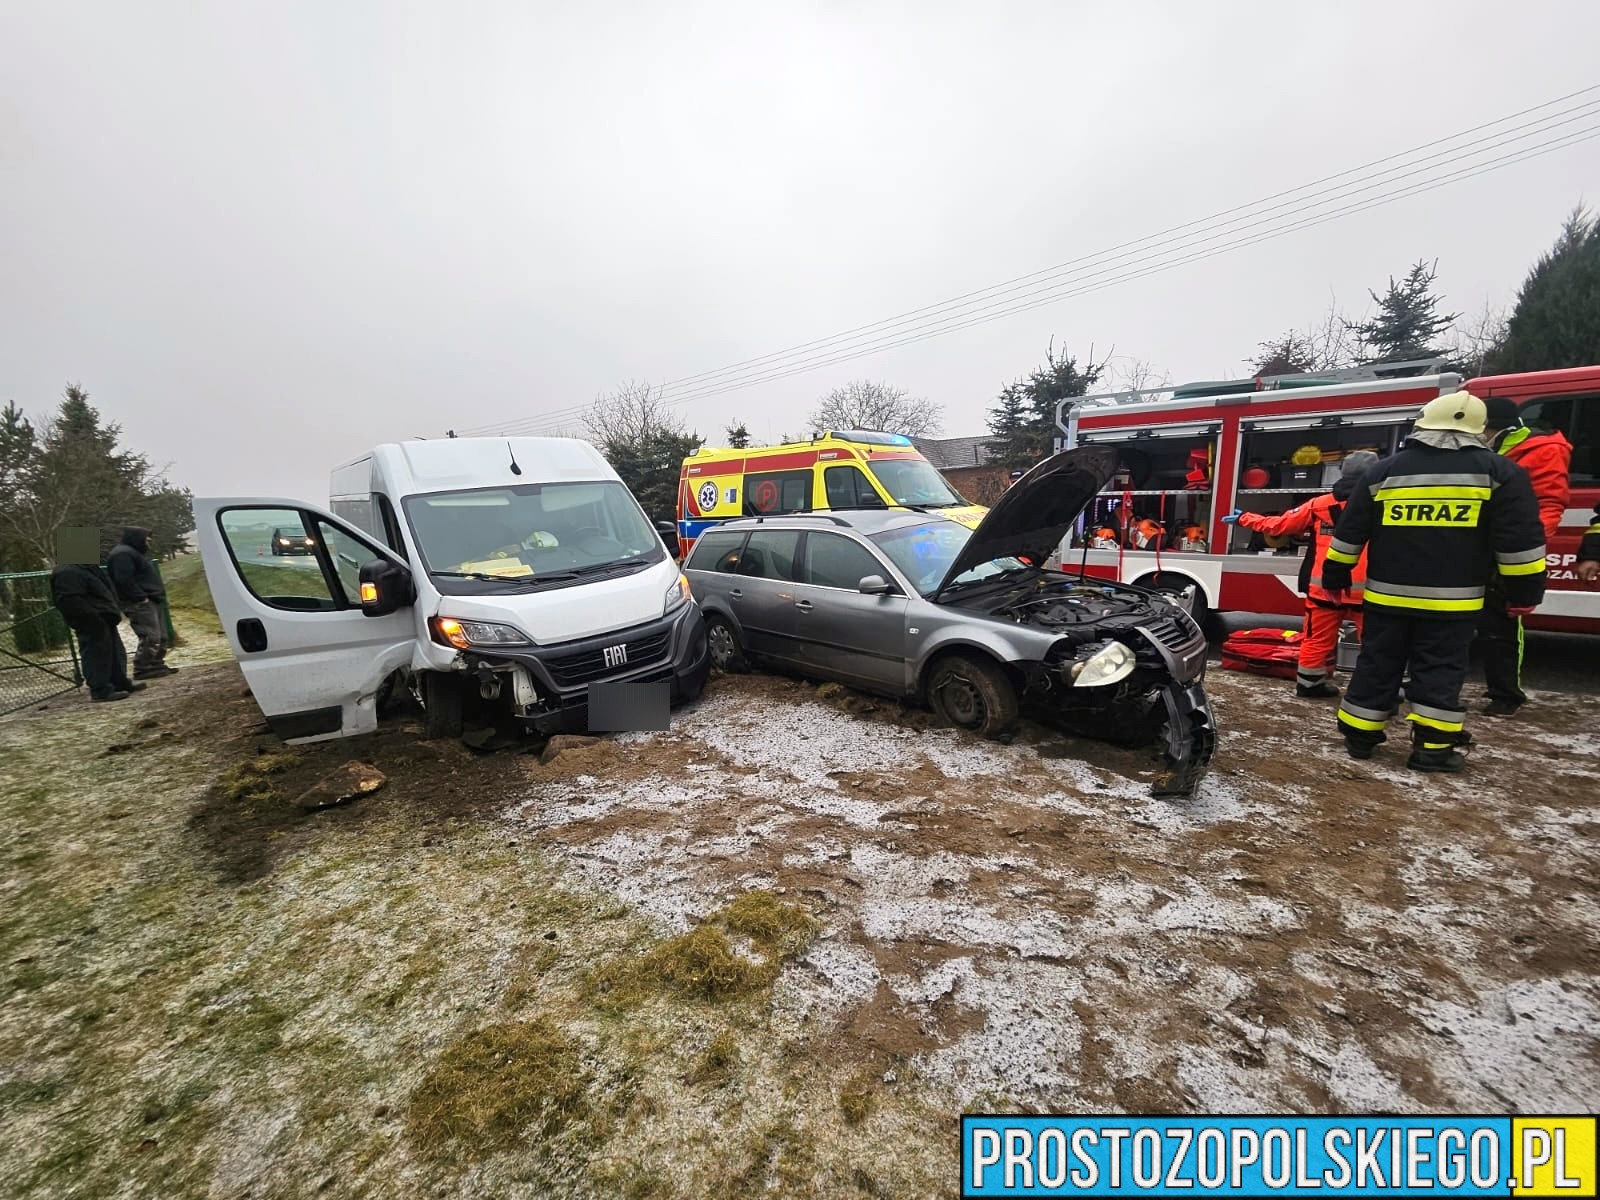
column 957, row 451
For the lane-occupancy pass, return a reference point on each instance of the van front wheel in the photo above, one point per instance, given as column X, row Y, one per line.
column 441, row 705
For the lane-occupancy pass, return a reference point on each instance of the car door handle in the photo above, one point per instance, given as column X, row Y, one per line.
column 736, row 594
column 252, row 635
column 804, row 605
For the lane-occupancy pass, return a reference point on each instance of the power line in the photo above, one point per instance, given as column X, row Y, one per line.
column 1052, row 284
column 1076, row 278
column 1057, row 294
column 1242, row 209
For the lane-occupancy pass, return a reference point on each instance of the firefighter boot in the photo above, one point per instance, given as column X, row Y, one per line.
column 1361, row 745
column 1316, row 691
column 1434, row 750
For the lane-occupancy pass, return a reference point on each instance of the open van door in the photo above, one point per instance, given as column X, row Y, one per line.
column 287, row 579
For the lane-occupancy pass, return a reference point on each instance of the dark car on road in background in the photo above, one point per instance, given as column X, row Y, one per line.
column 292, row 541
column 913, row 605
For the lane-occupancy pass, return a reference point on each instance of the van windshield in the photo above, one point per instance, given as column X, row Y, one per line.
column 913, row 481
column 528, row 534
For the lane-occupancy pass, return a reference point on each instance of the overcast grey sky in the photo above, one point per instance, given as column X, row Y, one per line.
column 266, row 236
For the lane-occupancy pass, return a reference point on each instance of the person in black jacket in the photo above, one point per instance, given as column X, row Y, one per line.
column 82, row 594
column 1437, row 520
column 141, row 592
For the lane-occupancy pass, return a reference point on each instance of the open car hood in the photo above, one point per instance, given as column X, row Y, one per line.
column 1036, row 511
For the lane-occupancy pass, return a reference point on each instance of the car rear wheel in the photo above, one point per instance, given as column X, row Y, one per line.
column 727, row 653
column 442, row 715
column 973, row 693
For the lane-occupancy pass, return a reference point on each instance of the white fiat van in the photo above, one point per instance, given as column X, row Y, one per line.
column 517, row 574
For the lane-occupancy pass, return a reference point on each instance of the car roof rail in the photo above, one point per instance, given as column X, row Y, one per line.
column 815, row 516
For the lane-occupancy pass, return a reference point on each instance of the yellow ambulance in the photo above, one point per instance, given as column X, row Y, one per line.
column 857, row 468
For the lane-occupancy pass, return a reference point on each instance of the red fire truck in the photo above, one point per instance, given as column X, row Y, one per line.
column 1193, row 453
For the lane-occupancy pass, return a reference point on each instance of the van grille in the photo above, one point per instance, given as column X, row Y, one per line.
column 582, row 666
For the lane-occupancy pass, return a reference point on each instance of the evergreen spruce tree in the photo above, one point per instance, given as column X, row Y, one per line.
column 1556, row 321
column 1408, row 323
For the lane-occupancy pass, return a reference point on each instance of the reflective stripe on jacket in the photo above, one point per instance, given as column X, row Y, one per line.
column 1317, row 517
column 1436, row 524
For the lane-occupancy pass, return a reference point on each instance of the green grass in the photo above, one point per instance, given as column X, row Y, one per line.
column 400, row 999
column 187, row 588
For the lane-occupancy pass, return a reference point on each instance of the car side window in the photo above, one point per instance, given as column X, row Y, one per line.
column 771, row 492
column 1578, row 419
column 832, row 560
column 716, row 552
column 848, row 487
column 276, row 575
column 769, row 554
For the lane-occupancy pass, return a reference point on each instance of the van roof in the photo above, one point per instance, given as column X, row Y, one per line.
column 445, row 464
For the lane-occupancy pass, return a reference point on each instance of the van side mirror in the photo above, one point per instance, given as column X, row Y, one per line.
column 669, row 536
column 875, row 585
column 385, row 588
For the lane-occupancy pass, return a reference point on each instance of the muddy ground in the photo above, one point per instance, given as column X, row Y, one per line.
column 211, row 991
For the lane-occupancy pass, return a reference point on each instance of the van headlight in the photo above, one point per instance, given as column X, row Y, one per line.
column 677, row 595
column 1112, row 664
column 451, row 631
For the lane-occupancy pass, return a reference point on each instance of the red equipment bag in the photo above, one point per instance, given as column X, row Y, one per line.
column 1274, row 652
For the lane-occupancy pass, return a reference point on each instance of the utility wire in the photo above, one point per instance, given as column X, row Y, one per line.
column 1025, row 292
column 544, row 422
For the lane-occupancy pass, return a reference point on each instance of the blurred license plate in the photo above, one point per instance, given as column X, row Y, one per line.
column 619, row 707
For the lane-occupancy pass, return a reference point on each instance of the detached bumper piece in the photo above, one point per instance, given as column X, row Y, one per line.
column 1188, row 740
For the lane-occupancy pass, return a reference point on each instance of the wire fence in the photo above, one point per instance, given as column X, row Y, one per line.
column 38, row 656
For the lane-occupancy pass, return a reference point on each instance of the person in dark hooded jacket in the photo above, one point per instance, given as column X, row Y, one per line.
column 82, row 594
column 141, row 592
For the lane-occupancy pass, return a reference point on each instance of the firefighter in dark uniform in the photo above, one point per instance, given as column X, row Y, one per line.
column 1437, row 520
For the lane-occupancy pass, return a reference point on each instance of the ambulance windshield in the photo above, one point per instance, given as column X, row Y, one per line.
column 913, row 481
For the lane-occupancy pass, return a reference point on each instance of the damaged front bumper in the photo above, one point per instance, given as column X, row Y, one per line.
column 1188, row 740
column 550, row 694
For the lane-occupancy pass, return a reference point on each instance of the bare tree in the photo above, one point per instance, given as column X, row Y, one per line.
column 1129, row 374
column 874, row 404
column 644, row 441
column 1476, row 338
column 1327, row 344
column 634, row 411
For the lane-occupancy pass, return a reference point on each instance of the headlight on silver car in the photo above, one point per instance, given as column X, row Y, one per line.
column 677, row 595
column 1111, row 664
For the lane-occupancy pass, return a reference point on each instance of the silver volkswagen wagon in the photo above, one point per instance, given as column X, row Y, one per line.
column 912, row 605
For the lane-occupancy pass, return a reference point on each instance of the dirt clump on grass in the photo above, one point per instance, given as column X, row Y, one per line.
column 497, row 1086
column 704, row 964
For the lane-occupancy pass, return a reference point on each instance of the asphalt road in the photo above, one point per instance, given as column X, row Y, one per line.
column 1560, row 662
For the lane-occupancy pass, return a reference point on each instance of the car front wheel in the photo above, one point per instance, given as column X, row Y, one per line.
column 727, row 654
column 973, row 693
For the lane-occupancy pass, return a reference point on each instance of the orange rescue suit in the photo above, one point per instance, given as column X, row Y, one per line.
column 1325, row 610
column 1316, row 517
